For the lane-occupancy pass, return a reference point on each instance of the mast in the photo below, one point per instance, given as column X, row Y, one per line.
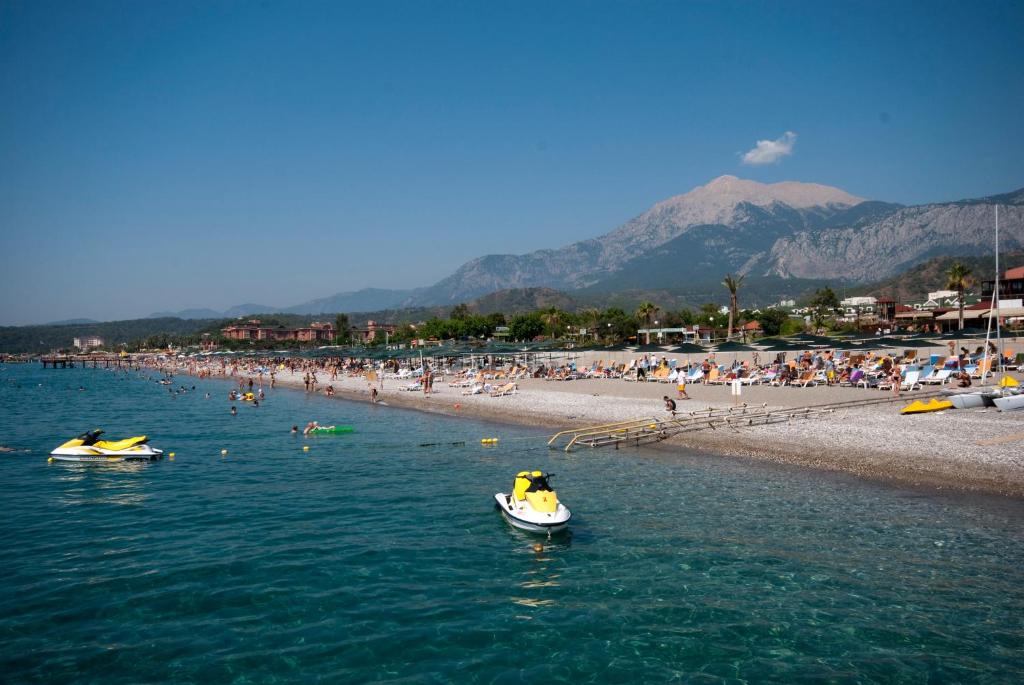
column 999, row 337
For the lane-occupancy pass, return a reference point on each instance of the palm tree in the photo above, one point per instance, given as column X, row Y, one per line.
column 592, row 316
column 551, row 318
column 732, row 283
column 959, row 279
column 644, row 312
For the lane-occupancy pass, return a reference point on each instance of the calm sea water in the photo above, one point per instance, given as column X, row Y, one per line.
column 371, row 558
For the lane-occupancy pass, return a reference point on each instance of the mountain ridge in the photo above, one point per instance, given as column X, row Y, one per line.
column 786, row 230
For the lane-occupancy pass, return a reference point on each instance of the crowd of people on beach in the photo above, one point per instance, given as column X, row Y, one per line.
column 881, row 369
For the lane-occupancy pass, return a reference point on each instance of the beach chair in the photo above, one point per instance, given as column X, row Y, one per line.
column 984, row 368
column 504, row 390
column 660, row 375
column 807, row 378
column 910, row 381
column 938, row 378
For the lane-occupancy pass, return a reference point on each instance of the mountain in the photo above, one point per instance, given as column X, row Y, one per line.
column 70, row 322
column 709, row 215
column 188, row 314
column 785, row 238
column 519, row 300
column 785, row 233
column 917, row 282
column 901, row 239
column 367, row 299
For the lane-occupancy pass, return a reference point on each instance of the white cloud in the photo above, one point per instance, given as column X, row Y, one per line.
column 771, row 151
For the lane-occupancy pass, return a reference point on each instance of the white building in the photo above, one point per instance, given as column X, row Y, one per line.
column 942, row 294
column 859, row 302
column 88, row 342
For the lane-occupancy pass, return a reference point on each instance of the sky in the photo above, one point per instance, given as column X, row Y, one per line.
column 170, row 154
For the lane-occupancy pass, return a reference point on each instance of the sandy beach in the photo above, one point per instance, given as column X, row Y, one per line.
column 969, row 450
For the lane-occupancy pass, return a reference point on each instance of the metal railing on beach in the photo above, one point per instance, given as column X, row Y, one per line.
column 649, row 430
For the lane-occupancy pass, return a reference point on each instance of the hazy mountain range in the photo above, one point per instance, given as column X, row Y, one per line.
column 784, row 237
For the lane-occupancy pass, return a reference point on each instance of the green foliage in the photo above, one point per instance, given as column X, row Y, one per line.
column 525, row 327
column 342, row 329
column 460, row 312
column 772, row 321
column 824, row 305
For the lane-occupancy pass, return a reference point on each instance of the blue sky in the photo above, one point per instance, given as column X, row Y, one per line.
column 162, row 155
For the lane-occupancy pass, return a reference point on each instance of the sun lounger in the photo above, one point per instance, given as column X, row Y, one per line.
column 910, row 381
column 807, row 378
column 503, row 390
column 938, row 378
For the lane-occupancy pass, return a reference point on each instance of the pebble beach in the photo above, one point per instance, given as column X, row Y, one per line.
column 970, row 450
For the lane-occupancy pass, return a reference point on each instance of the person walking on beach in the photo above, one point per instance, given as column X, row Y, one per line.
column 681, row 387
column 897, row 380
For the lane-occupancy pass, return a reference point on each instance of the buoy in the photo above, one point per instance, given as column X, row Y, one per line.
column 49, row 460
column 538, row 548
column 305, row 448
column 488, row 441
column 171, row 455
column 223, row 453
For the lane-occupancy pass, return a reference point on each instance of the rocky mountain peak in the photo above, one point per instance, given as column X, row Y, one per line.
column 728, row 191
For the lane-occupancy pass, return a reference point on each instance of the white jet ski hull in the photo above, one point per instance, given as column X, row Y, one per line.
column 96, row 454
column 1010, row 403
column 522, row 516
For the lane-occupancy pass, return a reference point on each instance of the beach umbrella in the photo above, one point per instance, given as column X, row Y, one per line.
column 687, row 348
column 847, row 345
column 811, row 340
column 919, row 342
column 732, row 346
column 648, row 348
column 875, row 343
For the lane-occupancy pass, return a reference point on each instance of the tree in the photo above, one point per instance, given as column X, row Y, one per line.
column 824, row 304
column 591, row 316
column 732, row 284
column 644, row 313
column 959, row 279
column 342, row 329
column 771, row 320
column 552, row 319
column 460, row 312
column 525, row 327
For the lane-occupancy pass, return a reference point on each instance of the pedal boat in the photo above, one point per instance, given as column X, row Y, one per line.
column 533, row 506
column 87, row 447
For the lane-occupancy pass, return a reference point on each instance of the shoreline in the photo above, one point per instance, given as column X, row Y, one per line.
column 938, row 451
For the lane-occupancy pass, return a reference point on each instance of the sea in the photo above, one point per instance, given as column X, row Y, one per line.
column 379, row 557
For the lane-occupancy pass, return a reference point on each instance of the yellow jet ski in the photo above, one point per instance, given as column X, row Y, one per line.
column 88, row 447
column 533, row 505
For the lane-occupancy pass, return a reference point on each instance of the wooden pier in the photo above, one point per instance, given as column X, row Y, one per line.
column 86, row 361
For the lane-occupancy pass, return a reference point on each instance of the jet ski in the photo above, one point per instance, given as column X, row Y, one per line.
column 88, row 447
column 533, row 505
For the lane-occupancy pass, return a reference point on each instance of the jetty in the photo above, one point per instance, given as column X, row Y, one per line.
column 95, row 361
column 650, row 429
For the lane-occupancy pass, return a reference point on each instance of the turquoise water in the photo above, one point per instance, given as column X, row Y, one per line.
column 371, row 558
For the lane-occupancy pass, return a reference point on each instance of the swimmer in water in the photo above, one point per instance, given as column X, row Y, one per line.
column 234, row 411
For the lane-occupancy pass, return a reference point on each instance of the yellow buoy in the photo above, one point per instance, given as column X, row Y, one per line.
column 49, row 460
column 223, row 453
column 171, row 455
column 305, row 448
